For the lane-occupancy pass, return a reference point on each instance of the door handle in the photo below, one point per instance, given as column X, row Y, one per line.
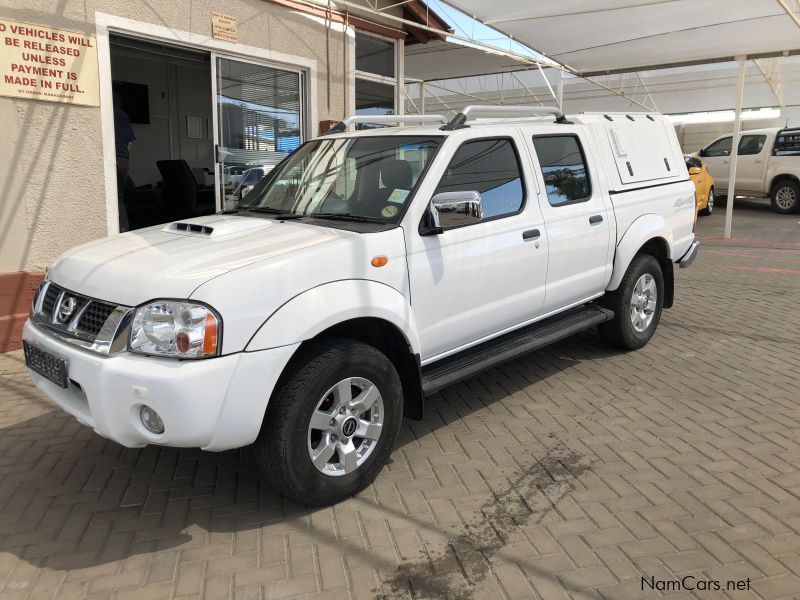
column 530, row 235
column 595, row 219
column 757, row 161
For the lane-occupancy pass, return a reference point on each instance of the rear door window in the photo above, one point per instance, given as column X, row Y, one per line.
column 566, row 177
column 751, row 144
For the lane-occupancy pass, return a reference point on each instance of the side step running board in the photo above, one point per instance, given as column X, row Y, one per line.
column 510, row 345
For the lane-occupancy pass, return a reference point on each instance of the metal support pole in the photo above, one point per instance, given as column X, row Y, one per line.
column 422, row 97
column 549, row 87
column 561, row 91
column 737, row 126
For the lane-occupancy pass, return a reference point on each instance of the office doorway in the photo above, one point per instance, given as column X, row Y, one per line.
column 207, row 128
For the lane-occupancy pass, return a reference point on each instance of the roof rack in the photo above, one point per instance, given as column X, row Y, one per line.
column 384, row 119
column 474, row 110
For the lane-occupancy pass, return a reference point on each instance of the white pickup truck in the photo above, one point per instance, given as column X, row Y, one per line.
column 367, row 270
column 768, row 166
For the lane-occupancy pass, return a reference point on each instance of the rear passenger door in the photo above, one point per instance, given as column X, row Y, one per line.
column 576, row 218
column 752, row 160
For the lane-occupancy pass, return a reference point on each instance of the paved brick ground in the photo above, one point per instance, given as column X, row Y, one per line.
column 571, row 473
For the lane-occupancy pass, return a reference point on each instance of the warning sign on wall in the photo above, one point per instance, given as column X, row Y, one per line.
column 223, row 27
column 48, row 64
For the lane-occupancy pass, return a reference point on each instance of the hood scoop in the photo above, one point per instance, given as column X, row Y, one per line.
column 191, row 228
column 215, row 226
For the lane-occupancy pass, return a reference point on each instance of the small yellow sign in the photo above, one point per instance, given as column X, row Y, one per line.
column 223, row 27
column 48, row 64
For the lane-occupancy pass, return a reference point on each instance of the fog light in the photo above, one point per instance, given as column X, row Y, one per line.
column 151, row 421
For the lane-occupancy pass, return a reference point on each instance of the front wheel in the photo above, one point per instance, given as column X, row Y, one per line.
column 636, row 303
column 709, row 205
column 331, row 425
column 785, row 196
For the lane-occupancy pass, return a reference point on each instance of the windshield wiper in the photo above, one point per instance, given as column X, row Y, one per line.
column 263, row 209
column 332, row 216
column 346, row 217
column 279, row 214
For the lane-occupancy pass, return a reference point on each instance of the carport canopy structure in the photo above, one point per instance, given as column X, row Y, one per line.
column 599, row 37
column 594, row 37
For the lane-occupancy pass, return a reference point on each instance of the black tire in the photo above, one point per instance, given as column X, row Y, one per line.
column 282, row 448
column 620, row 331
column 710, row 205
column 785, row 196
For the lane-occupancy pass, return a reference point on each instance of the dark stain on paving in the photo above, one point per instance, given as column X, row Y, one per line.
column 456, row 571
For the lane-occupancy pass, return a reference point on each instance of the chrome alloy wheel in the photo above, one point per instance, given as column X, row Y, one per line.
column 345, row 426
column 786, row 197
column 643, row 302
column 710, row 202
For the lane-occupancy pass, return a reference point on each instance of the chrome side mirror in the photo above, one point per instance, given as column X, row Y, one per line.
column 454, row 209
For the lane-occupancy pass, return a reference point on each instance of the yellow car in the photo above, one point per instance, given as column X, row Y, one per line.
column 703, row 184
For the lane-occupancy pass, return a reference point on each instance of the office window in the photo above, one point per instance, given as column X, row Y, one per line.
column 374, row 98
column 374, row 56
column 376, row 77
column 490, row 167
column 563, row 165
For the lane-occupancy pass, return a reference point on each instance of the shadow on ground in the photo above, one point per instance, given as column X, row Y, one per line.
column 71, row 499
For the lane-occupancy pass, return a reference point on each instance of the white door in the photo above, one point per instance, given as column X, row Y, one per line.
column 473, row 281
column 259, row 120
column 752, row 160
column 717, row 157
column 577, row 219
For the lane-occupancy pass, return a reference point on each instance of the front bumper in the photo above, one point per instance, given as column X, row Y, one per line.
column 214, row 404
column 687, row 259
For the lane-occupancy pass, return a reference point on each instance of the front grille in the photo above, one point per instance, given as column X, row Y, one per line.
column 95, row 316
column 49, row 300
column 91, row 314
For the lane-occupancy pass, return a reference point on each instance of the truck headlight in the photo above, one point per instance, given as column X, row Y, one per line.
column 180, row 329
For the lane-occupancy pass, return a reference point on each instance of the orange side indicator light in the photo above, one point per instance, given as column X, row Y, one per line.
column 379, row 261
column 210, row 339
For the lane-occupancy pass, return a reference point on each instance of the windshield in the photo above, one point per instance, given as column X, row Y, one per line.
column 360, row 177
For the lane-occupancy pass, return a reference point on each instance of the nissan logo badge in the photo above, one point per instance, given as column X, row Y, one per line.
column 66, row 309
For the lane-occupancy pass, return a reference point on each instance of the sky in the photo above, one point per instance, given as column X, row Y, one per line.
column 465, row 25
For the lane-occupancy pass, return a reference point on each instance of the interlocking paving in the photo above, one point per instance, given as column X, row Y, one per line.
column 573, row 472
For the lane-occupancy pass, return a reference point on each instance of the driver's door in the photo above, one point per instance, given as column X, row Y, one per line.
column 472, row 281
column 717, row 157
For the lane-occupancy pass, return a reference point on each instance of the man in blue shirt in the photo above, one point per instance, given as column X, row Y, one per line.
column 124, row 138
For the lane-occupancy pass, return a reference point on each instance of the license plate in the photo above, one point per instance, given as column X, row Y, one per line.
column 46, row 364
